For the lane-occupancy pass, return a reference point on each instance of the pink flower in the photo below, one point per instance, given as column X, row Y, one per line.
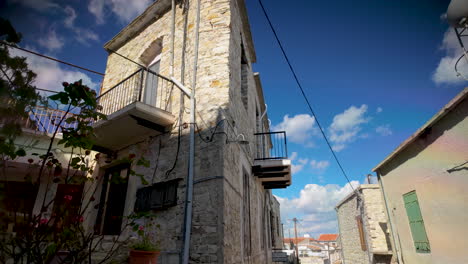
column 68, row 197
column 141, row 228
column 43, row 221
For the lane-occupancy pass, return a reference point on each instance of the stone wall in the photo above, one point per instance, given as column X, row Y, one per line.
column 349, row 232
column 370, row 207
column 375, row 220
column 217, row 235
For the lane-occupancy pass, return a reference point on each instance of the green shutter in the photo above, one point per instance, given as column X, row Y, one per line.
column 421, row 243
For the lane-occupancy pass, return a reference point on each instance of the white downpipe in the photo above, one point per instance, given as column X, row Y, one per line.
column 171, row 73
column 190, row 177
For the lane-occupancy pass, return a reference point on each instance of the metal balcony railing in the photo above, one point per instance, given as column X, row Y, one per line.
column 271, row 145
column 44, row 119
column 47, row 120
column 141, row 86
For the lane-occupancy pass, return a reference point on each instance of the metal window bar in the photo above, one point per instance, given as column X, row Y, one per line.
column 272, row 145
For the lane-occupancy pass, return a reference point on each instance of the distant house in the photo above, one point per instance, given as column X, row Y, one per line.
column 301, row 241
column 424, row 184
column 364, row 236
column 329, row 242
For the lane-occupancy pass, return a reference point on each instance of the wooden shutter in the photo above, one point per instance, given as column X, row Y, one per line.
column 361, row 233
column 157, row 196
column 418, row 231
column 170, row 197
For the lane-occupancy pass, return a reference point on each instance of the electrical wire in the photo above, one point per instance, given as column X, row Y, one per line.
column 50, row 58
column 304, row 95
column 177, row 153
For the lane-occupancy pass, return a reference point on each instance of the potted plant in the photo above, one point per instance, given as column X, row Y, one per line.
column 145, row 250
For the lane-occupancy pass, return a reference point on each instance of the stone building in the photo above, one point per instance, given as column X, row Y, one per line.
column 424, row 184
column 364, row 235
column 172, row 52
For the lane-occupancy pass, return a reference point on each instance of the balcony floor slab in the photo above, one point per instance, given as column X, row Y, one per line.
column 131, row 124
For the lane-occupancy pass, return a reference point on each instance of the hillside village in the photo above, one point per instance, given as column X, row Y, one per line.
column 174, row 158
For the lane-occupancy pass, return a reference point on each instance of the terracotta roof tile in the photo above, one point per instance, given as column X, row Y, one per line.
column 328, row 237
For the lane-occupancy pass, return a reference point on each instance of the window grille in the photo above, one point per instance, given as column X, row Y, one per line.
column 157, row 197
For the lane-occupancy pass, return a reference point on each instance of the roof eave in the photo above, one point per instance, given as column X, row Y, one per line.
column 153, row 12
column 246, row 30
column 447, row 108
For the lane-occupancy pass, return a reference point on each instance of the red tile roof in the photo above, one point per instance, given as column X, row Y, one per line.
column 299, row 239
column 328, row 237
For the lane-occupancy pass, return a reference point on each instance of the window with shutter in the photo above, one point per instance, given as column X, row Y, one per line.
column 157, row 197
column 418, row 231
column 362, row 238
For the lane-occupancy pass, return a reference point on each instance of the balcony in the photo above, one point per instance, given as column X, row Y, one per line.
column 271, row 164
column 136, row 108
column 42, row 120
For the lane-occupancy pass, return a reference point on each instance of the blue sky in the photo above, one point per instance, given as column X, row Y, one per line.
column 375, row 71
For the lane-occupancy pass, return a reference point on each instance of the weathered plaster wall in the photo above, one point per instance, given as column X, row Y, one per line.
column 425, row 166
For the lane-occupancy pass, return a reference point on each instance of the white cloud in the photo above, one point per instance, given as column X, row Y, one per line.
column 319, row 165
column 49, row 73
column 297, row 164
column 445, row 71
column 39, row 5
column 96, row 7
column 51, row 41
column 346, row 126
column 82, row 35
column 71, row 16
column 123, row 9
column 379, row 110
column 315, row 206
column 299, row 128
column 384, row 130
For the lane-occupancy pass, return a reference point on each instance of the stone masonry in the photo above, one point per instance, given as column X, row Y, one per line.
column 370, row 208
column 218, row 228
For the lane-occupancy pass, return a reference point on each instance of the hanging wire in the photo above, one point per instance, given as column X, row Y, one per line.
column 50, row 58
column 304, row 95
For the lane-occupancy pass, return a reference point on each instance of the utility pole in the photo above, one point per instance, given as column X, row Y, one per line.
column 295, row 235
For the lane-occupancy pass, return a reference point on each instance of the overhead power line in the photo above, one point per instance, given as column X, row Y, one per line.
column 303, row 93
column 50, row 58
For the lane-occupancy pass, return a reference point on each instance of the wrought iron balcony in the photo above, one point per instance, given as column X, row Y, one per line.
column 135, row 107
column 272, row 165
column 43, row 120
column 271, row 146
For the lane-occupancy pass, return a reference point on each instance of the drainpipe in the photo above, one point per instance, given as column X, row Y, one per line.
column 171, row 72
column 189, row 192
column 262, row 116
column 379, row 178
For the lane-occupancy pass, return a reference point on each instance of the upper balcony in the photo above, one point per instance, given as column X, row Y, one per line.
column 271, row 164
column 136, row 107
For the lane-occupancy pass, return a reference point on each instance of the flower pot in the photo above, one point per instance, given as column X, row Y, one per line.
column 143, row 257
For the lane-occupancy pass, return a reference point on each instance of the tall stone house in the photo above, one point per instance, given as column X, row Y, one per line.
column 364, row 234
column 172, row 52
column 424, row 184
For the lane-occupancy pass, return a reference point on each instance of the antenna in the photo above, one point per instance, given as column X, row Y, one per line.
column 457, row 16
